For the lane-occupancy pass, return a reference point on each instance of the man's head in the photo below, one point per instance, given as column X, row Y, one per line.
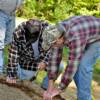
column 52, row 34
column 34, row 28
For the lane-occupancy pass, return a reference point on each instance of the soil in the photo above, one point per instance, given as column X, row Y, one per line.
column 8, row 93
column 11, row 93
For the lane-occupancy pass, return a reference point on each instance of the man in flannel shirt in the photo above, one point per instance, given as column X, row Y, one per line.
column 26, row 52
column 81, row 34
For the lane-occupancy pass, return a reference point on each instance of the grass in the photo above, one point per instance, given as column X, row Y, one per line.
column 97, row 67
column 96, row 74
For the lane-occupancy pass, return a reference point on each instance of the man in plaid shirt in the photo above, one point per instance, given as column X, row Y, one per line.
column 81, row 34
column 26, row 52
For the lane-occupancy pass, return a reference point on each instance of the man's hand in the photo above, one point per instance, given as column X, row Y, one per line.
column 41, row 66
column 49, row 95
column 55, row 92
column 51, row 91
column 10, row 80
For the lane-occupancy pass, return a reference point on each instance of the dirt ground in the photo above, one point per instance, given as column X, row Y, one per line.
column 70, row 93
column 10, row 93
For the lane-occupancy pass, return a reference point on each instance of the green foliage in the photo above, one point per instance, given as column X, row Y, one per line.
column 54, row 10
column 97, row 67
column 6, row 55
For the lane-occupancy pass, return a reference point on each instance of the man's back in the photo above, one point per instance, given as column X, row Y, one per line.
column 83, row 27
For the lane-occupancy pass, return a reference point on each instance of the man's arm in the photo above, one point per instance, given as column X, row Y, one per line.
column 47, row 56
column 45, row 60
column 76, row 48
column 54, row 62
column 13, row 59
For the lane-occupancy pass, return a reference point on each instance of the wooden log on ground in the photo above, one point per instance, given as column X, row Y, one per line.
column 31, row 89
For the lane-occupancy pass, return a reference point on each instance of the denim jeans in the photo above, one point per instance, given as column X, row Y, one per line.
column 25, row 74
column 83, row 76
column 7, row 25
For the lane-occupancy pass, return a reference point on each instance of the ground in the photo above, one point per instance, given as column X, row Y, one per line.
column 8, row 93
column 13, row 93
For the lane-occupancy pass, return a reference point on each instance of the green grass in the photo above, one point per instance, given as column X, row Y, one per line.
column 97, row 67
column 96, row 74
column 6, row 55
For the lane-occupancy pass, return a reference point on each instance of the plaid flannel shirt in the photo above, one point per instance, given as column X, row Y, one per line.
column 80, row 31
column 22, row 53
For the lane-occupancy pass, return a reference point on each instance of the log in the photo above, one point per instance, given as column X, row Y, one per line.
column 33, row 90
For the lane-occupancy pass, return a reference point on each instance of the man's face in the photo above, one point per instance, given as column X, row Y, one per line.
column 59, row 42
column 32, row 30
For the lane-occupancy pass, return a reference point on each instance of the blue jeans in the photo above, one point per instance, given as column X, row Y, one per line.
column 83, row 76
column 25, row 74
column 7, row 25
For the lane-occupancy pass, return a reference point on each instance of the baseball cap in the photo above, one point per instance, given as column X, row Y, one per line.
column 50, row 34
